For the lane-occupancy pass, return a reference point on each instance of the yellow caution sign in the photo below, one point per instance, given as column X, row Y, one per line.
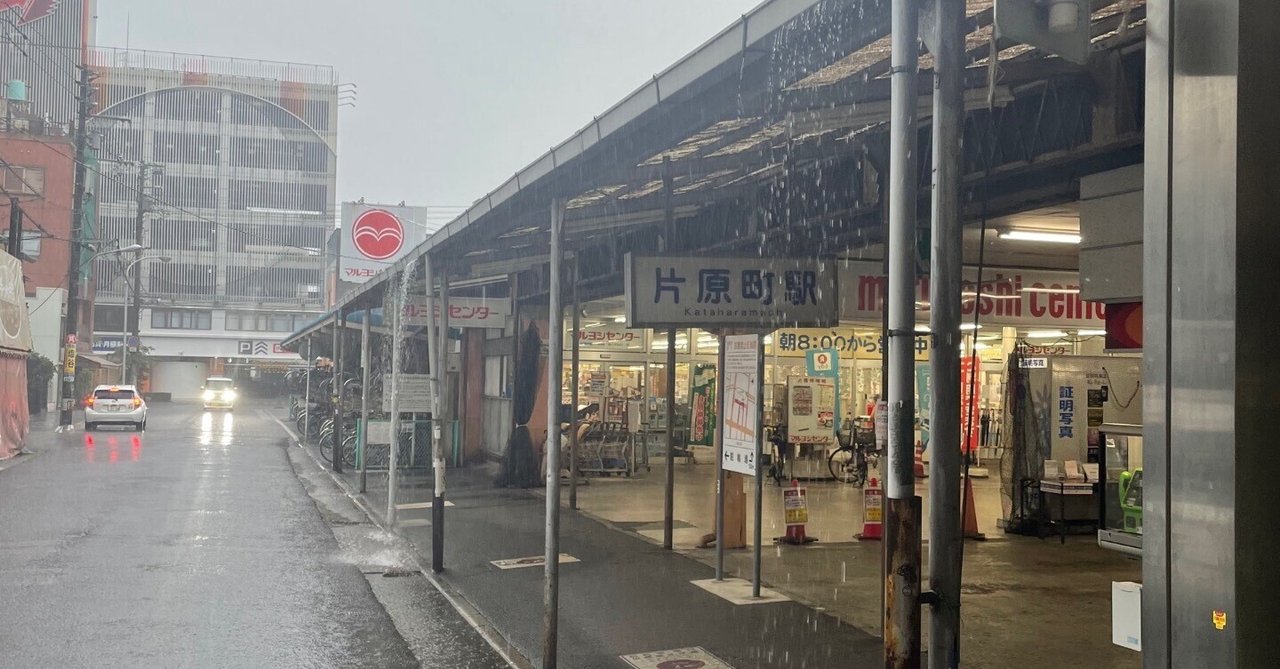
column 70, row 365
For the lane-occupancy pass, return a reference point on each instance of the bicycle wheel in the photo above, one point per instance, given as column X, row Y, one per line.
column 843, row 466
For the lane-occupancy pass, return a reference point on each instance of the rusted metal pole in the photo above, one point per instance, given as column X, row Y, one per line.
column 902, row 584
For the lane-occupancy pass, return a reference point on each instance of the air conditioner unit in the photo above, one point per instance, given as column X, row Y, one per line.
column 308, row 290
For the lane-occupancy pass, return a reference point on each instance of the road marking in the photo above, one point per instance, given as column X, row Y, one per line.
column 420, row 505
column 531, row 561
column 738, row 591
column 677, row 658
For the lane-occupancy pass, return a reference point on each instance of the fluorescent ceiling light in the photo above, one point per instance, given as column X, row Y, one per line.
column 1092, row 333
column 989, row 296
column 922, row 328
column 1046, row 334
column 619, row 319
column 1061, row 291
column 1041, row 236
column 970, row 326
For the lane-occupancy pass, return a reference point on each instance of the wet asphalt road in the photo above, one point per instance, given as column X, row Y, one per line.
column 194, row 544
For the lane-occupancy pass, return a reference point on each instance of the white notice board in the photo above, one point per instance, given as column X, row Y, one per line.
column 415, row 394
column 741, row 402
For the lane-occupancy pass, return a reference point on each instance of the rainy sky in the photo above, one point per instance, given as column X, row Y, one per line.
column 454, row 95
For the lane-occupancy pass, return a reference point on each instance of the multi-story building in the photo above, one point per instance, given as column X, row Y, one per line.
column 237, row 191
column 41, row 46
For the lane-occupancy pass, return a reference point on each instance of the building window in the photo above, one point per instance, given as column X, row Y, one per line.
column 186, row 148
column 278, row 282
column 264, row 321
column 276, row 196
column 176, row 235
column 190, row 191
column 181, row 319
column 108, row 318
column 181, row 279
column 23, row 180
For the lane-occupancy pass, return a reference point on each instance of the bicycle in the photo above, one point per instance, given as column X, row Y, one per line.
column 856, row 456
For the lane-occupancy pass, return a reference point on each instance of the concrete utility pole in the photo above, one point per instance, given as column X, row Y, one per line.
column 15, row 228
column 946, row 260
column 555, row 362
column 71, row 322
column 902, row 531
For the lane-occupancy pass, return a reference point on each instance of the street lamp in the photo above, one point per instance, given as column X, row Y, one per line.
column 128, row 304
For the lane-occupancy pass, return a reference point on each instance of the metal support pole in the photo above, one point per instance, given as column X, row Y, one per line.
column 555, row 362
column 946, row 255
column 759, row 524
column 365, row 372
column 719, row 442
column 393, row 457
column 306, row 413
column 669, row 499
column 575, row 377
column 443, row 425
column 902, row 582
column 335, row 450
column 71, row 322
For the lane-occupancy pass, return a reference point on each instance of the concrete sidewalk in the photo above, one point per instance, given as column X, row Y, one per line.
column 620, row 596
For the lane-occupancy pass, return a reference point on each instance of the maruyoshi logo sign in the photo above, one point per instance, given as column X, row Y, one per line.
column 377, row 234
column 29, row 10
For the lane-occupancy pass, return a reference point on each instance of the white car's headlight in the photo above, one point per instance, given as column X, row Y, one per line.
column 209, row 395
column 229, row 395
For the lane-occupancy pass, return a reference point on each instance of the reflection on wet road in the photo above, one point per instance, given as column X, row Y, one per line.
column 190, row 544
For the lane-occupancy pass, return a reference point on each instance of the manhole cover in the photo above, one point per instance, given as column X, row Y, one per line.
column 678, row 658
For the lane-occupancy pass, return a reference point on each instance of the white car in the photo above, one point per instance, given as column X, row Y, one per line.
column 115, row 405
column 219, row 393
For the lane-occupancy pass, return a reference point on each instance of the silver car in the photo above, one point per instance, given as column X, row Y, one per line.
column 115, row 405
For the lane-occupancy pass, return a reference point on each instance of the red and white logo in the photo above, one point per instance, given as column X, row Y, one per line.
column 377, row 234
column 31, row 10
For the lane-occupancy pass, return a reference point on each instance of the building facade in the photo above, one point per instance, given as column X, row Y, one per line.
column 41, row 46
column 227, row 168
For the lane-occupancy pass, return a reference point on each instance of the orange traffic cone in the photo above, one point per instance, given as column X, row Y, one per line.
column 872, row 512
column 970, row 514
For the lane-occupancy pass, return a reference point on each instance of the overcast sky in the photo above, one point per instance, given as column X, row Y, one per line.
column 454, row 95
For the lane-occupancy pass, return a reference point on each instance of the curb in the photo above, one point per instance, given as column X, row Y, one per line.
column 469, row 613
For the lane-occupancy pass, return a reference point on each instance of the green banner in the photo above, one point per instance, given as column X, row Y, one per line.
column 702, row 408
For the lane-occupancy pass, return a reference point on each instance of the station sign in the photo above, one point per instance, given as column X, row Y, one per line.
column 745, row 293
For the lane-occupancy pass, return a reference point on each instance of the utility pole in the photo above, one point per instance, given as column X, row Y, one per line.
column 71, row 321
column 15, row 228
column 133, row 285
column 946, row 259
column 902, row 531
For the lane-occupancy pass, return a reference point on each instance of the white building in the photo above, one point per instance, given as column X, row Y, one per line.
column 239, row 179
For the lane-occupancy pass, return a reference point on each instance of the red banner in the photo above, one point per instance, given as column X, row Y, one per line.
column 969, row 405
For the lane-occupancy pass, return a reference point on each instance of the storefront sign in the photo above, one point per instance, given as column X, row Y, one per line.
column 764, row 293
column 261, row 347
column 608, row 336
column 1124, row 327
column 108, row 344
column 464, row 312
column 811, row 406
column 847, row 342
column 795, row 506
column 415, row 394
column 1035, row 363
column 702, row 407
column 924, row 402
column 882, row 425
column 1011, row 297
column 741, row 401
column 15, row 326
column 375, row 236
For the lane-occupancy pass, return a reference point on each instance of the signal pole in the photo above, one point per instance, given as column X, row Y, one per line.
column 71, row 321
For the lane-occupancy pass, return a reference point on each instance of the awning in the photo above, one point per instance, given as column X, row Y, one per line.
column 98, row 360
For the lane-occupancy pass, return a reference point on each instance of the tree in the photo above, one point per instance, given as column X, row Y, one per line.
column 39, row 372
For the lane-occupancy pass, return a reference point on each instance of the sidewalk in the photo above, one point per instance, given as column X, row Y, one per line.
column 623, row 596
